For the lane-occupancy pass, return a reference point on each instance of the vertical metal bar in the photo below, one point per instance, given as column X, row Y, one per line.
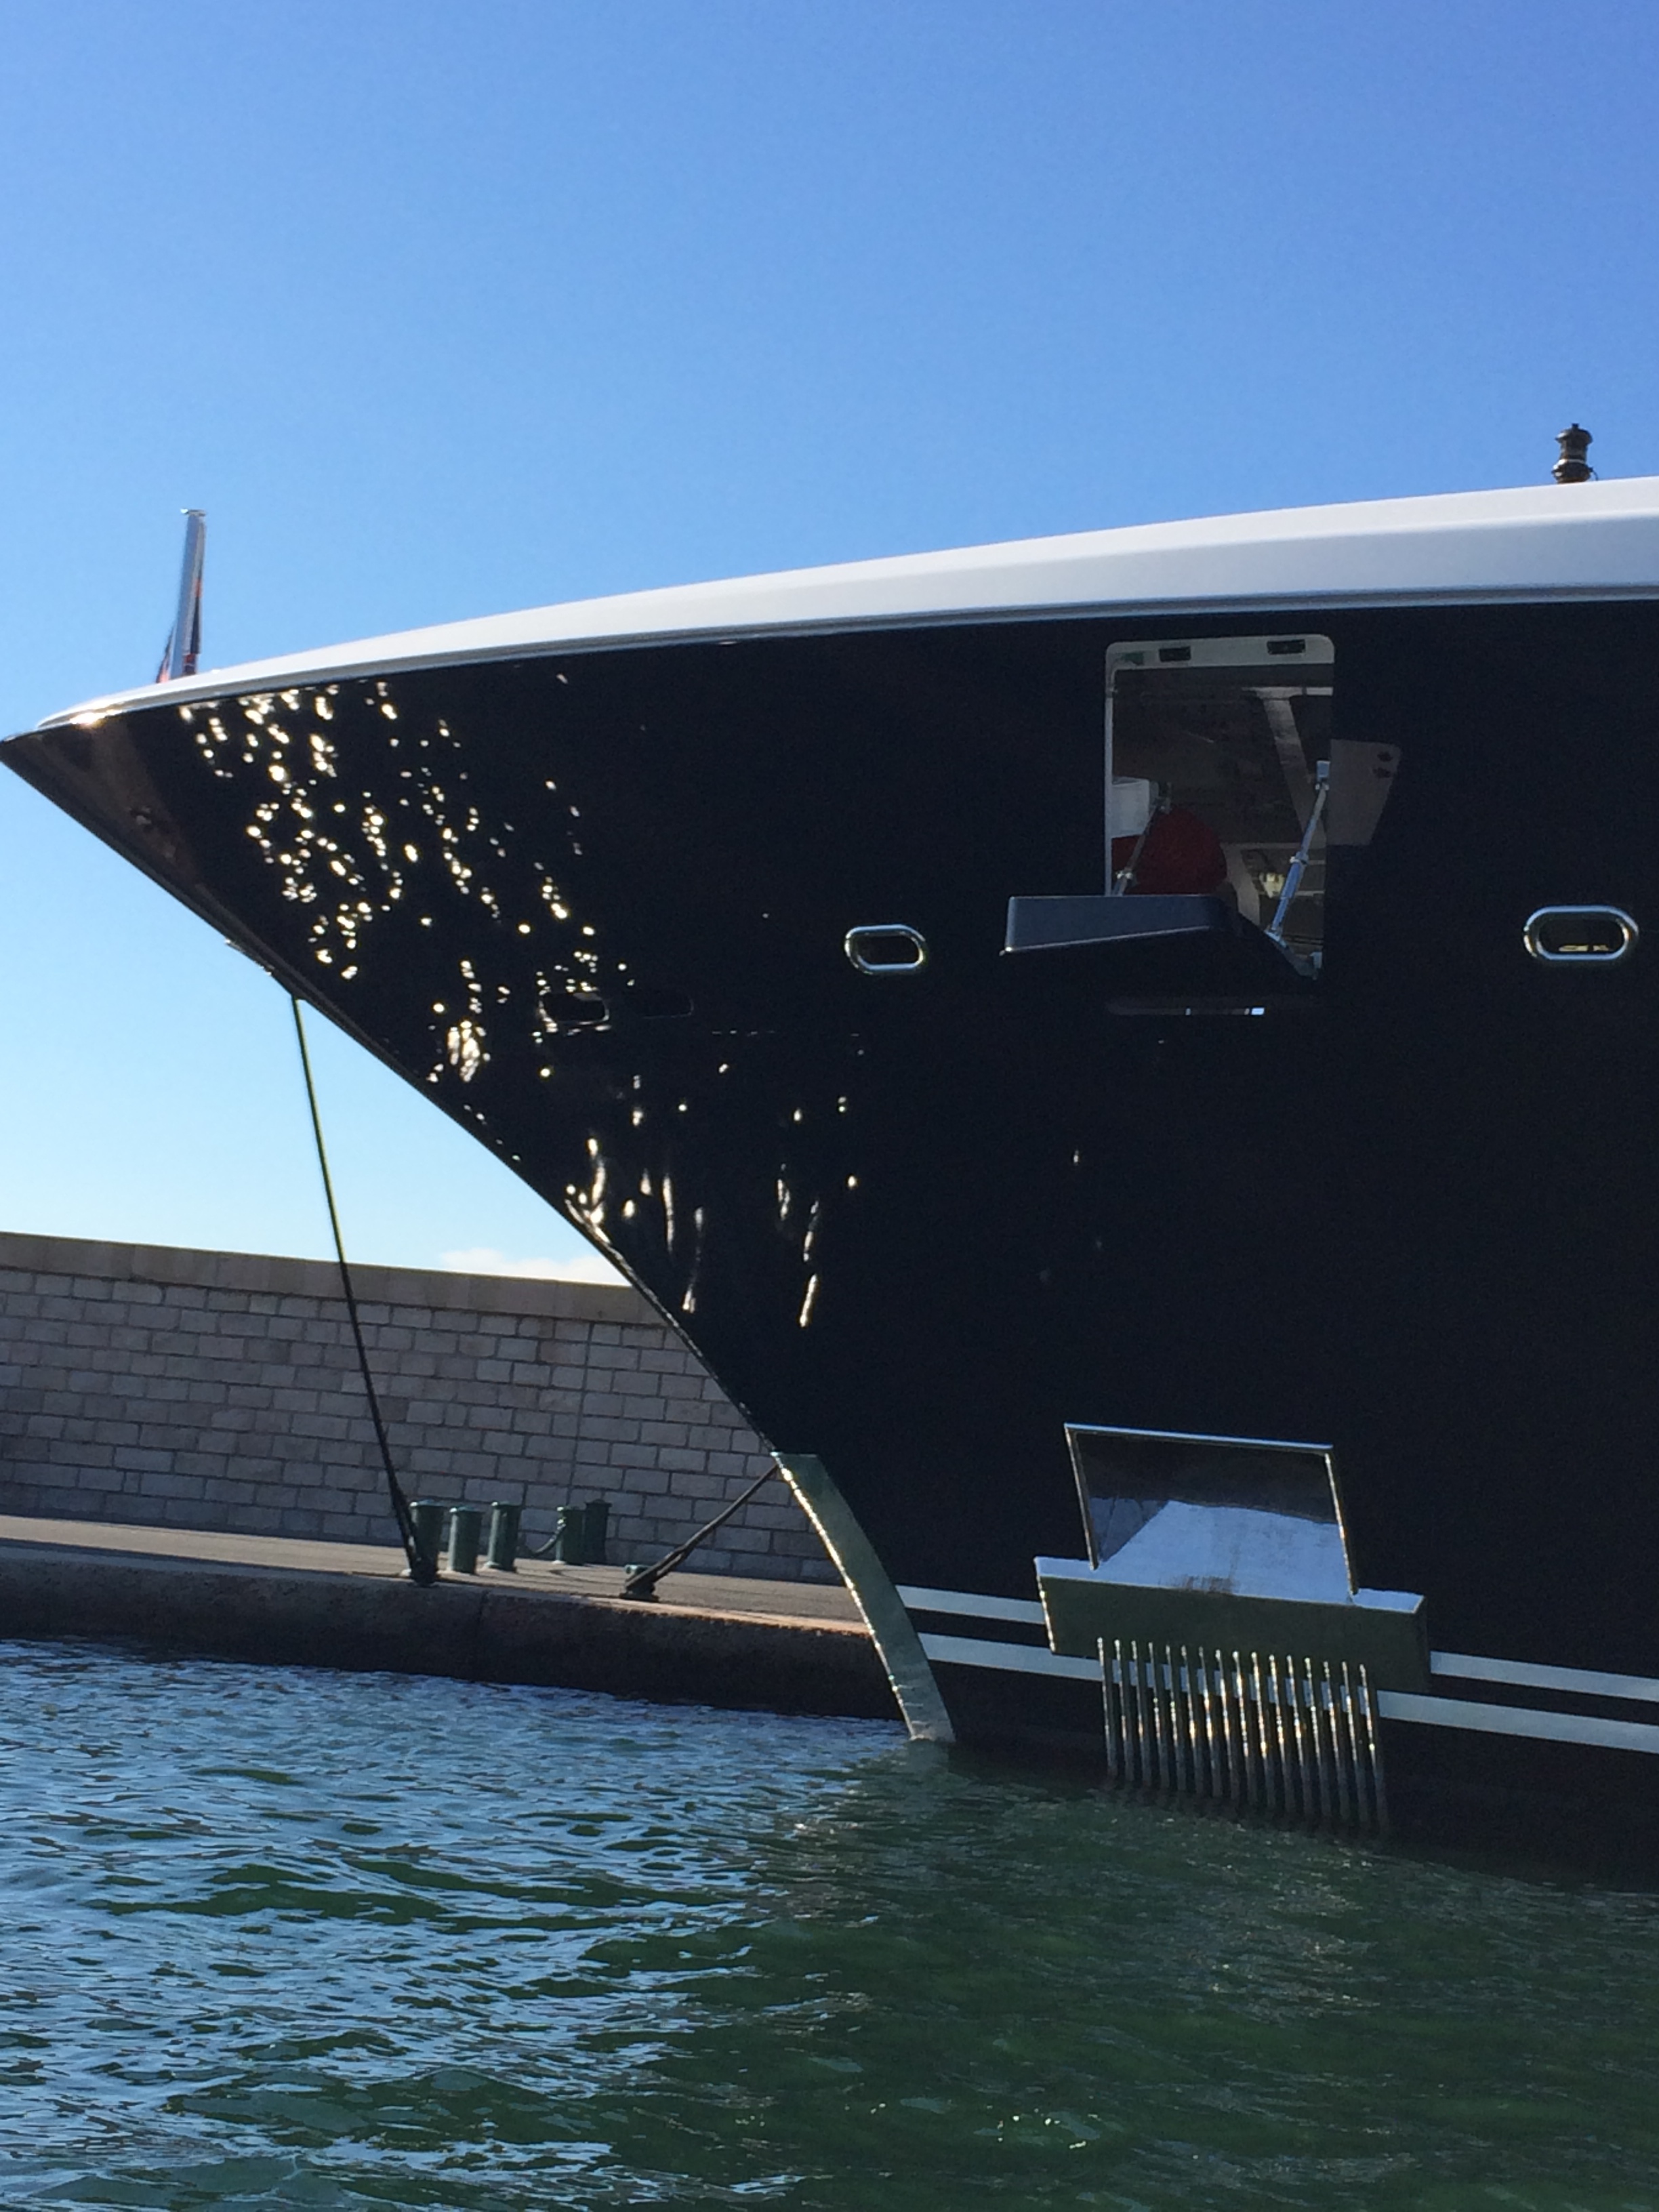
column 1281, row 1736
column 1143, row 1721
column 1129, row 1735
column 1298, row 1737
column 1187, row 1706
column 1338, row 1765
column 1125, row 1695
column 1374, row 1748
column 1307, row 1692
column 1134, row 1760
column 1212, row 1772
column 1363, row 1759
column 1326, row 1745
column 1362, row 1810
column 1232, row 1721
column 1289, row 1690
column 1148, row 1723
column 1198, row 1697
column 1111, row 1699
column 1250, row 1721
column 1155, row 1704
column 1313, row 1706
column 1180, row 1722
column 1263, row 1734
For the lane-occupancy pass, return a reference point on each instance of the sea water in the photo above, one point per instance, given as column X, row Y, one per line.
column 313, row 1939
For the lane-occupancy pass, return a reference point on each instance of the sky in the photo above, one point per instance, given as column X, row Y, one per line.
column 441, row 311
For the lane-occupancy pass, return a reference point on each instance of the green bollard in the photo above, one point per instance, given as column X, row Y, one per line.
column 427, row 1517
column 466, row 1526
column 579, row 1538
column 503, row 1536
column 598, row 1513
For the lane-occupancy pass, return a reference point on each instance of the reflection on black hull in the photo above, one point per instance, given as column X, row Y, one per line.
column 918, row 1221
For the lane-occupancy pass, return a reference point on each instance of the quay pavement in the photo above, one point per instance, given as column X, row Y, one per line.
column 710, row 1639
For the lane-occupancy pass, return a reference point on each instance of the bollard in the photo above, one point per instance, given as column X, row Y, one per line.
column 581, row 1531
column 465, row 1525
column 503, row 1536
column 570, row 1536
column 598, row 1517
column 427, row 1517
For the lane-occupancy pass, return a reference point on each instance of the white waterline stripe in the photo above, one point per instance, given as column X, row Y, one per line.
column 1014, row 1658
column 971, row 1601
column 1516, row 1720
column 1578, row 1681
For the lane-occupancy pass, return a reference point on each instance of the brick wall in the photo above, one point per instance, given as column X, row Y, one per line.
column 221, row 1390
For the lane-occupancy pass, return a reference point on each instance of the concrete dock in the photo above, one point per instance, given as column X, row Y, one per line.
column 713, row 1639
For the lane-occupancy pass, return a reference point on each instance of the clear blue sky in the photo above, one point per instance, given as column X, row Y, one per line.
column 440, row 310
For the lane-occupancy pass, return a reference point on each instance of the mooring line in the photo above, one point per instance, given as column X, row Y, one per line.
column 643, row 1584
column 422, row 1568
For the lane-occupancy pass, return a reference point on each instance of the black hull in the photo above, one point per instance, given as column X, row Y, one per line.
column 917, row 1224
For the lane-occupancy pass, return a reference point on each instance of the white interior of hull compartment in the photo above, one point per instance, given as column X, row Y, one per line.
column 1237, row 1548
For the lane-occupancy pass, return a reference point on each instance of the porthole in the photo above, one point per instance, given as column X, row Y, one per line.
column 886, row 948
column 1580, row 936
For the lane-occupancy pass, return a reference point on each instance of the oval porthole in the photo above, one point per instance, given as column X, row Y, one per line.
column 1579, row 936
column 886, row 948
column 579, row 1010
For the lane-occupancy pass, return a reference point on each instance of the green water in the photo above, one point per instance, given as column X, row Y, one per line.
column 327, row 1940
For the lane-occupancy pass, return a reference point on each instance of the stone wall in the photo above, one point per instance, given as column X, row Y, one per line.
column 221, row 1390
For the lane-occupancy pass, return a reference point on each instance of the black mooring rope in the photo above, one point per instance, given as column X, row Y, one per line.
column 643, row 1585
column 422, row 1568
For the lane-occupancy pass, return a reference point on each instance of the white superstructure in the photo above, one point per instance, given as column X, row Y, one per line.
column 1548, row 541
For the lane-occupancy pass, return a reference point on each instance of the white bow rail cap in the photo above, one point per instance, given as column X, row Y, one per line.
column 1543, row 541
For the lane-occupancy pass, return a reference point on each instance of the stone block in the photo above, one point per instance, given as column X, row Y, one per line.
column 670, row 1435
column 684, row 1463
column 706, row 1491
column 102, row 1456
column 292, row 1401
column 164, row 1483
column 333, row 1427
column 134, row 1459
column 614, row 1358
column 611, row 1431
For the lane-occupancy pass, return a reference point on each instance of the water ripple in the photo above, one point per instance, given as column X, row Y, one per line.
column 292, row 1938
